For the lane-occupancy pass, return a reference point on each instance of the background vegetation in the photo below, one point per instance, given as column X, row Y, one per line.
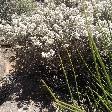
column 67, row 44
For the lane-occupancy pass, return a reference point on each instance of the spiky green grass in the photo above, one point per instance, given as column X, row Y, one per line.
column 100, row 90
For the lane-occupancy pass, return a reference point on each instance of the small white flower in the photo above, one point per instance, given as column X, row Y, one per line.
column 23, row 32
column 66, row 45
column 60, row 16
column 72, row 18
column 77, row 36
column 33, row 38
column 15, row 21
column 38, row 43
column 56, row 27
column 46, row 1
column 45, row 38
column 50, row 41
column 63, row 23
column 44, row 55
column 52, row 52
column 22, row 26
column 1, row 26
column 48, row 54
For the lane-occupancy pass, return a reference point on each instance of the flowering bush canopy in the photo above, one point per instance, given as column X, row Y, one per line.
column 57, row 20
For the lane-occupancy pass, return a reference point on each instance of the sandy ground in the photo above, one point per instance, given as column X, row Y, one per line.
column 5, row 65
column 9, row 104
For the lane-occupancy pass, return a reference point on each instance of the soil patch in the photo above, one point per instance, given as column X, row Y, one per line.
column 20, row 92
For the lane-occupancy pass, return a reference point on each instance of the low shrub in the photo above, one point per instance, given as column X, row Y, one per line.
column 42, row 39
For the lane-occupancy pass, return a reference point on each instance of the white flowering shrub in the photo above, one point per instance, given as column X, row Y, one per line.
column 50, row 23
column 53, row 26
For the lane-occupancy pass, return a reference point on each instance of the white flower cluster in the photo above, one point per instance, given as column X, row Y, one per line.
column 51, row 22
